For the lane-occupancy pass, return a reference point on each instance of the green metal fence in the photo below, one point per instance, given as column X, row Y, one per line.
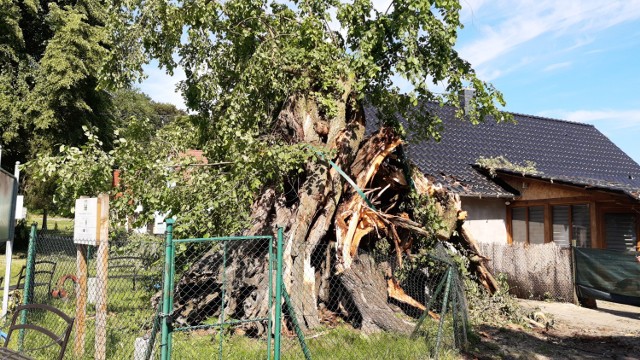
column 50, row 275
column 217, row 304
column 199, row 302
column 235, row 298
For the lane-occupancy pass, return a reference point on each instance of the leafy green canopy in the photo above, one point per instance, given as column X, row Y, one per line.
column 245, row 62
column 243, row 59
column 157, row 173
column 50, row 57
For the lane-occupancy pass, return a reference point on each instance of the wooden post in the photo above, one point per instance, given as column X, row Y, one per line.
column 101, row 273
column 81, row 299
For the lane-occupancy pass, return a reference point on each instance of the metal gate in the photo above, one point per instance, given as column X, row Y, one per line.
column 186, row 257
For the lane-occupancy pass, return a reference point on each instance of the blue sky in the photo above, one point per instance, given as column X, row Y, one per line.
column 569, row 59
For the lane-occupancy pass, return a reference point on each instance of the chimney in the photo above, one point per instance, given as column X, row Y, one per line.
column 465, row 96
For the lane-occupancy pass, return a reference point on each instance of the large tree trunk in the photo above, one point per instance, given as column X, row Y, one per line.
column 368, row 288
column 330, row 229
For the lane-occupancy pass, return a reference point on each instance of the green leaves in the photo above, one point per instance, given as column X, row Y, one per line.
column 50, row 57
column 244, row 63
column 76, row 171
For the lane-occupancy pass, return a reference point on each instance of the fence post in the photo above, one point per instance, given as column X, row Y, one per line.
column 443, row 313
column 278, row 311
column 81, row 299
column 167, row 292
column 221, row 320
column 31, row 262
column 28, row 281
column 102, row 270
column 271, row 293
column 576, row 300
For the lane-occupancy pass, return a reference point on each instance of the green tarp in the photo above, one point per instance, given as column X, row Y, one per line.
column 608, row 275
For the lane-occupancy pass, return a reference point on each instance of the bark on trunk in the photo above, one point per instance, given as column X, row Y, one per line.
column 325, row 271
column 368, row 289
column 198, row 292
column 477, row 261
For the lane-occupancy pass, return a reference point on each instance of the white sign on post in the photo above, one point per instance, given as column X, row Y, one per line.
column 87, row 218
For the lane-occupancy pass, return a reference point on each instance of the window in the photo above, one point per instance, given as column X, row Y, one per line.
column 581, row 225
column 620, row 231
column 519, row 225
column 564, row 223
column 571, row 222
column 536, row 225
column 561, row 225
column 527, row 225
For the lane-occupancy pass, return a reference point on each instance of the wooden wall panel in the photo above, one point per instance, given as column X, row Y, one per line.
column 538, row 190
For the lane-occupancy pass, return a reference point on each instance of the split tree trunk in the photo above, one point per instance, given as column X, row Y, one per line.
column 326, row 225
column 367, row 285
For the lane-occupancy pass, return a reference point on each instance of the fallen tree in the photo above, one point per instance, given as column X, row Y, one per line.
column 281, row 98
column 331, row 236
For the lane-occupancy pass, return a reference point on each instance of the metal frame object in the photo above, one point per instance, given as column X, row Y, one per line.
column 274, row 318
column 60, row 340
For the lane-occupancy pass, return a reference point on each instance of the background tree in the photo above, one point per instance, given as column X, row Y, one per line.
column 132, row 103
column 51, row 54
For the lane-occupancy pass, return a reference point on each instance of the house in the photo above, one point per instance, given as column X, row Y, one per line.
column 536, row 181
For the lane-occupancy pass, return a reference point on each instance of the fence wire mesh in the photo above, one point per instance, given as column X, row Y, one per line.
column 223, row 298
column 379, row 308
column 133, row 276
column 225, row 295
column 224, row 302
column 540, row 271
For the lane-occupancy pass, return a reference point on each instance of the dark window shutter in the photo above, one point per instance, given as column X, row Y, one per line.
column 561, row 225
column 536, row 225
column 620, row 231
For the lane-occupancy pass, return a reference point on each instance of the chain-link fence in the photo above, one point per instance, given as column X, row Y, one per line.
column 222, row 300
column 223, row 303
column 109, row 294
column 382, row 307
column 215, row 313
column 541, row 271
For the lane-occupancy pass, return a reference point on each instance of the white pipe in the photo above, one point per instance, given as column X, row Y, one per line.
column 8, row 257
column 16, row 172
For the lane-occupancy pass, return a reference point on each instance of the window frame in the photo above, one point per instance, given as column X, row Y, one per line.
column 526, row 220
column 548, row 219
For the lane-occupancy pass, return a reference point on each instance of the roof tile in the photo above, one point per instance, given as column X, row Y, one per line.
column 562, row 150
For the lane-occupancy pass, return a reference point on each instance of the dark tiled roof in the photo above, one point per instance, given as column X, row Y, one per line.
column 564, row 151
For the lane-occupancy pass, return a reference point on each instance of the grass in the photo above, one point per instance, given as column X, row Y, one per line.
column 53, row 222
column 130, row 315
column 17, row 261
column 342, row 343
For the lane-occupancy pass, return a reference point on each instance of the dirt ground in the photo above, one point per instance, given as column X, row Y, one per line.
column 570, row 332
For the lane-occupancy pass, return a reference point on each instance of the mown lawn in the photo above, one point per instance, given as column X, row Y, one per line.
column 343, row 343
column 53, row 222
column 130, row 315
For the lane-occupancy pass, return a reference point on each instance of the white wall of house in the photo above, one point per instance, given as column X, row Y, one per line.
column 486, row 219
